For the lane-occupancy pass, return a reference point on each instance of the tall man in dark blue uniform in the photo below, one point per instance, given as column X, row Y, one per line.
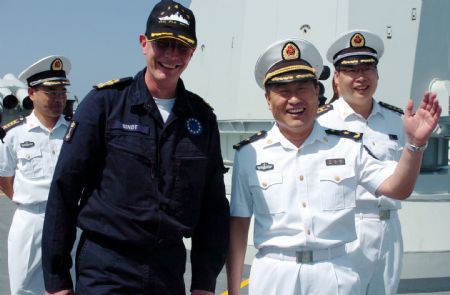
column 139, row 170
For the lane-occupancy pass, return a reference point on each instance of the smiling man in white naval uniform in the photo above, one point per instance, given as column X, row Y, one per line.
column 299, row 181
column 28, row 155
column 378, row 251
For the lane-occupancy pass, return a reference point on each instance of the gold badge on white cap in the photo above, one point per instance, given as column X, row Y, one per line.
column 358, row 40
column 291, row 51
column 57, row 65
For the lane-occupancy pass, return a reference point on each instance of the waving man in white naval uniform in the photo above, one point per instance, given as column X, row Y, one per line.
column 28, row 155
column 378, row 251
column 299, row 181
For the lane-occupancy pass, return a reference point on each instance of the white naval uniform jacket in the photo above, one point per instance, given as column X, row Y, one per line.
column 303, row 197
column 29, row 153
column 383, row 135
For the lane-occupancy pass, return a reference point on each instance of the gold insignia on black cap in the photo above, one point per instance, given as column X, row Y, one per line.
column 357, row 40
column 291, row 51
column 171, row 20
column 57, row 65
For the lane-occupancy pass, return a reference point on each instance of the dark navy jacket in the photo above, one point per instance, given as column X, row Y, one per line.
column 125, row 175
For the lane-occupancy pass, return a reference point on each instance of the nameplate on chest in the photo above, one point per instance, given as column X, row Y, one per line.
column 335, row 162
column 130, row 127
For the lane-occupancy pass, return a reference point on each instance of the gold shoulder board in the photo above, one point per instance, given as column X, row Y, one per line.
column 323, row 109
column 254, row 137
column 391, row 107
column 345, row 133
column 114, row 83
column 8, row 126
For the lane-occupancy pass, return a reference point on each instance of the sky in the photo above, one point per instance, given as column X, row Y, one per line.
column 100, row 37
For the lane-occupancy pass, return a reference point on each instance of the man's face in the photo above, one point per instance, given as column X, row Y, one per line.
column 48, row 101
column 356, row 84
column 166, row 58
column 294, row 106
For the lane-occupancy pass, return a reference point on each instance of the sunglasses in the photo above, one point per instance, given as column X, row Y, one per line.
column 164, row 45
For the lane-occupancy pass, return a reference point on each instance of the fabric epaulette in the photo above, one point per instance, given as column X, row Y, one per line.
column 323, row 109
column 199, row 98
column 114, row 83
column 251, row 139
column 345, row 134
column 16, row 122
column 391, row 107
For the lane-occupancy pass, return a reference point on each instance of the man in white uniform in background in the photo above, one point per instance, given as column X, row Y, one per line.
column 299, row 181
column 28, row 153
column 378, row 251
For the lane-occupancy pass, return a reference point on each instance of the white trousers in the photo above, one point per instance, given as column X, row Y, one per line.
column 377, row 253
column 24, row 251
column 271, row 276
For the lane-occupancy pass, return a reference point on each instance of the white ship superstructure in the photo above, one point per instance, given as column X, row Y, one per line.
column 416, row 37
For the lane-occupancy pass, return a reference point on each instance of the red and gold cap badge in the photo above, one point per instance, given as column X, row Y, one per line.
column 56, row 65
column 291, row 51
column 357, row 40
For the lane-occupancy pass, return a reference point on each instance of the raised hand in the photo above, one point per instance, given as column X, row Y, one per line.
column 419, row 125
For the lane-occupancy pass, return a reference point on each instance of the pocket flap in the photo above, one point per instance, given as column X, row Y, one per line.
column 28, row 153
column 267, row 179
column 336, row 173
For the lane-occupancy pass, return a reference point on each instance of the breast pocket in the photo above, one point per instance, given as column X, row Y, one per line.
column 30, row 162
column 190, row 171
column 338, row 187
column 129, row 170
column 266, row 188
column 130, row 145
